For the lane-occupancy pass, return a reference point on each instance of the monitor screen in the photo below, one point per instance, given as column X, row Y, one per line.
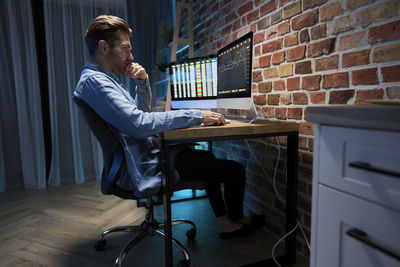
column 193, row 83
column 234, row 74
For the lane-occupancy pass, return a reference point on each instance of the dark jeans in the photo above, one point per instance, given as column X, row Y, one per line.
column 203, row 165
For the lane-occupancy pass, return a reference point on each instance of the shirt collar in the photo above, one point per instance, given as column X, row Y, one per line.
column 89, row 64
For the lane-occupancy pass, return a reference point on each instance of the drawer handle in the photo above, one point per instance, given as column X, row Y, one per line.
column 369, row 167
column 364, row 238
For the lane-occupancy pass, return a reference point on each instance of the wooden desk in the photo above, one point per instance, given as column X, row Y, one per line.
column 261, row 128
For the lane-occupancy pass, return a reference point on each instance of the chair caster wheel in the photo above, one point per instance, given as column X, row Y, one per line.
column 100, row 244
column 183, row 263
column 191, row 234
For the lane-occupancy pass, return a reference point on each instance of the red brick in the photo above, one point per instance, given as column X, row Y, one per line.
column 254, row 88
column 283, row 28
column 252, row 16
column 374, row 94
column 267, row 8
column 285, row 99
column 295, row 113
column 366, row 76
column 296, row 53
column 284, row 2
column 318, row 32
column 271, row 33
column 286, row 70
column 322, row 47
column 311, row 82
column 231, row 17
column 317, row 97
column 255, row 63
column 307, row 4
column 305, row 20
column 236, row 25
column 304, row 36
column 378, row 12
column 263, row 23
column 278, row 57
column 384, row 32
column 342, row 24
column 355, row 58
column 272, row 46
column 300, row 99
column 350, row 40
column 391, row 74
column 271, row 73
column 290, row 39
column 257, row 50
column 269, row 110
column 327, row 63
column 264, row 61
column 303, row 67
column 257, row 76
column 226, row 30
column 340, row 97
column 306, row 128
column 340, row 79
column 273, row 99
column 393, row 92
column 330, row 11
column 259, row 37
column 245, row 8
column 387, row 53
column 276, row 17
column 265, row 87
column 279, row 85
column 253, row 28
column 354, row 4
column 260, row 99
column 292, row 10
column 293, row 83
column 280, row 113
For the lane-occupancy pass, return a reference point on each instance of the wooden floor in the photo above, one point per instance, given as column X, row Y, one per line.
column 59, row 225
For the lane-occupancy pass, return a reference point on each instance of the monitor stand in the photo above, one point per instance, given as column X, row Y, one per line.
column 250, row 117
column 251, row 114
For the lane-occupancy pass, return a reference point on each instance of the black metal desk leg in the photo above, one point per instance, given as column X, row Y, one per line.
column 167, row 208
column 291, row 197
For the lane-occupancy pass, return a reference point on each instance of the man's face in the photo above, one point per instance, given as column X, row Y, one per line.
column 120, row 56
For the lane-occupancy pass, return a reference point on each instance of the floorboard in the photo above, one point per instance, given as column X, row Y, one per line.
column 58, row 226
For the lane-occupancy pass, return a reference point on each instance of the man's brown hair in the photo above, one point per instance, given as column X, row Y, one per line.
column 104, row 27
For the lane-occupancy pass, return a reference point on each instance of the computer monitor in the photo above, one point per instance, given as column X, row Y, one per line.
column 234, row 74
column 193, row 83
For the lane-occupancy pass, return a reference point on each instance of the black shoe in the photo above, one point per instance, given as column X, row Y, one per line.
column 258, row 222
column 242, row 231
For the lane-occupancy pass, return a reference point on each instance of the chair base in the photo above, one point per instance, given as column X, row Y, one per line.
column 148, row 227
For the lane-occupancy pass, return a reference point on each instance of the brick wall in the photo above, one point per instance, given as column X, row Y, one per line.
column 308, row 52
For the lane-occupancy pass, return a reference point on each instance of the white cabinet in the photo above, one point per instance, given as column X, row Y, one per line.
column 356, row 197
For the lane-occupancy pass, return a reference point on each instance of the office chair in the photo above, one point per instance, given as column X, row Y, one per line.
column 113, row 157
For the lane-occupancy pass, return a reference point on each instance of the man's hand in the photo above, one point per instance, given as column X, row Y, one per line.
column 135, row 71
column 211, row 117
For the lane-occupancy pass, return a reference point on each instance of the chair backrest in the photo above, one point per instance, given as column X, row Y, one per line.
column 109, row 143
column 111, row 147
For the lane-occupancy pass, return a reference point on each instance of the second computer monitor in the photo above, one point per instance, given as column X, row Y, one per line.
column 193, row 83
column 234, row 74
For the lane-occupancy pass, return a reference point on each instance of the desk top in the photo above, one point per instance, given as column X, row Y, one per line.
column 232, row 129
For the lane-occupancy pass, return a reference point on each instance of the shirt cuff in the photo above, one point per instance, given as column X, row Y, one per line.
column 144, row 82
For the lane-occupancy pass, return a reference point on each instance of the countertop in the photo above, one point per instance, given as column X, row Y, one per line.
column 368, row 116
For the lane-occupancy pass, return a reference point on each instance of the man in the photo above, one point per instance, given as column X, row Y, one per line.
column 108, row 42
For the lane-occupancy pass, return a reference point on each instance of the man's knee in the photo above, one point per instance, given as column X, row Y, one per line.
column 238, row 170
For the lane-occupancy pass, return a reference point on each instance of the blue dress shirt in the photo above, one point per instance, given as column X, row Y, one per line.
column 134, row 123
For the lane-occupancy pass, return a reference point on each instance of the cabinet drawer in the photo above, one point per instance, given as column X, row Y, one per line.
column 376, row 159
column 339, row 213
